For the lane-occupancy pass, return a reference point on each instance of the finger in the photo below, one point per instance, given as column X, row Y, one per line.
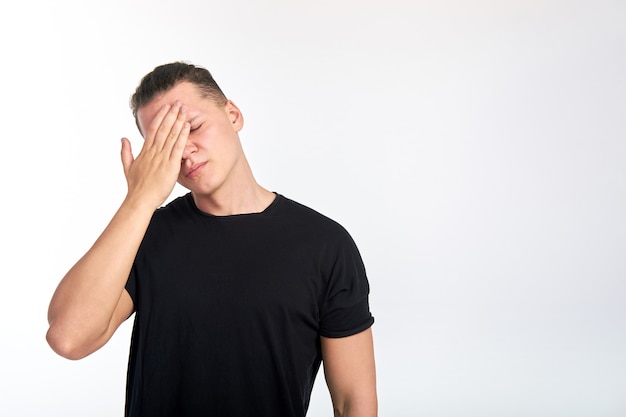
column 176, row 130
column 127, row 155
column 168, row 129
column 154, row 125
column 179, row 144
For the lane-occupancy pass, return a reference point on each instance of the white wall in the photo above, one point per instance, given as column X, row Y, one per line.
column 475, row 149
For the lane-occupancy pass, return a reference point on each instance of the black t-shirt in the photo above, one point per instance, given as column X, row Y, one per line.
column 229, row 310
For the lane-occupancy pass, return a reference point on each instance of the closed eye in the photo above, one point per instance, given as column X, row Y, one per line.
column 193, row 129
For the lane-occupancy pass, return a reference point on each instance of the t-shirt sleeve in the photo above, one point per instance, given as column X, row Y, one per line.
column 345, row 310
column 131, row 285
column 133, row 281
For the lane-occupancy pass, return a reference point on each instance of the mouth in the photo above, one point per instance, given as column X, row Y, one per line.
column 194, row 170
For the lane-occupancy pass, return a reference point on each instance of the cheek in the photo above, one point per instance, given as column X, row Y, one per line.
column 182, row 180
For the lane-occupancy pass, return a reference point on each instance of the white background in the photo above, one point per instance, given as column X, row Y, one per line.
column 474, row 149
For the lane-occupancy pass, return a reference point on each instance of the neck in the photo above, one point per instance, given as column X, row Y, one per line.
column 238, row 194
column 254, row 200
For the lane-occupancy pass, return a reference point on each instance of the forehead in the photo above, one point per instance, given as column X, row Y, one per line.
column 185, row 93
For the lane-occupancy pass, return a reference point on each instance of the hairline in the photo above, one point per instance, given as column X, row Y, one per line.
column 203, row 91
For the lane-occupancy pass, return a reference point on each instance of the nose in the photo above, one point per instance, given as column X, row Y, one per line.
column 189, row 150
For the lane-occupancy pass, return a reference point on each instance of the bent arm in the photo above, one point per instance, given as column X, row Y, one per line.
column 350, row 373
column 90, row 302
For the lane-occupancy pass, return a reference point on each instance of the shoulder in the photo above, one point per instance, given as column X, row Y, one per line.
column 180, row 206
column 174, row 215
column 181, row 203
column 292, row 208
column 313, row 222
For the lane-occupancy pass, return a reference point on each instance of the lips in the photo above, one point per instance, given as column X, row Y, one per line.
column 194, row 170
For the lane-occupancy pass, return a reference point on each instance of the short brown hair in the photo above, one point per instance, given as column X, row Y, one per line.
column 164, row 77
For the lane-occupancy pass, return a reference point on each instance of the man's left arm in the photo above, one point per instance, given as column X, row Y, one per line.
column 350, row 373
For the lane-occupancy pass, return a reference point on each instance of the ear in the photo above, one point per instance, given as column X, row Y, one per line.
column 234, row 114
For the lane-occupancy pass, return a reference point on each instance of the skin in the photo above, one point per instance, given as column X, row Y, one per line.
column 350, row 374
column 194, row 141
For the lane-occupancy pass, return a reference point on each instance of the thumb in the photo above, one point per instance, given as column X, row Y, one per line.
column 127, row 154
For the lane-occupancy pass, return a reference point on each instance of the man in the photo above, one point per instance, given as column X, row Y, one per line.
column 239, row 292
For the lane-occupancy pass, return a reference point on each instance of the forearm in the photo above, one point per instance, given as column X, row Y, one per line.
column 82, row 307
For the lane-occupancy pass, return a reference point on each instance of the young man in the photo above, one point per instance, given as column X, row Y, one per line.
column 239, row 293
